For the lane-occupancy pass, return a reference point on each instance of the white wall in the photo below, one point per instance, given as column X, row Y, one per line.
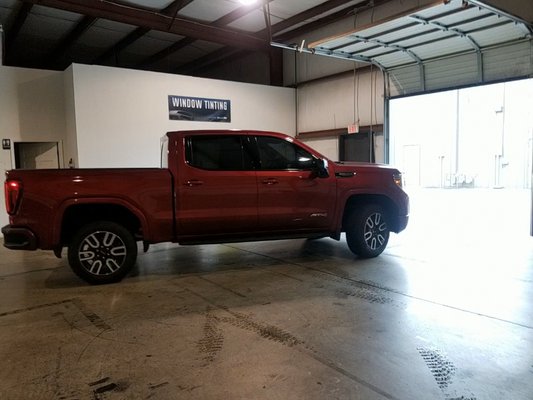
column 121, row 114
column 108, row 117
column 338, row 101
column 31, row 104
column 32, row 109
column 70, row 148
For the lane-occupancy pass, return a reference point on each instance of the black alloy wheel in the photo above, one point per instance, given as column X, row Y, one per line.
column 367, row 232
column 102, row 252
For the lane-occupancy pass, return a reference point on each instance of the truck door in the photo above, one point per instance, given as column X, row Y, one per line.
column 291, row 196
column 218, row 187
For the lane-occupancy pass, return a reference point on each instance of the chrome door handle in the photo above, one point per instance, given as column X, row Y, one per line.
column 194, row 182
column 270, row 181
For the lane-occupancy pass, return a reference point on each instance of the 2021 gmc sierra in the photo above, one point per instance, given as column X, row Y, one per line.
column 213, row 187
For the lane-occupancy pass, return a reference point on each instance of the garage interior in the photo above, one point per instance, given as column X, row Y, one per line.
column 444, row 313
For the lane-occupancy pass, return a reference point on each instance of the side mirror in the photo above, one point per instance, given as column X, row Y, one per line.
column 322, row 168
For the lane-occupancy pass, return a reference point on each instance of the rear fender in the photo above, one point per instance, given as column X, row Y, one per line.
column 60, row 214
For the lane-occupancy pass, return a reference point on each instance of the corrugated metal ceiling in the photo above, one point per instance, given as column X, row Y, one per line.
column 162, row 35
column 196, row 36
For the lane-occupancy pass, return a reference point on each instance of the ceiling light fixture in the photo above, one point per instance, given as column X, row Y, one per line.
column 247, row 2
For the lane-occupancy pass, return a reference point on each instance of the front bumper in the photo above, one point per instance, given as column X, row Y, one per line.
column 401, row 223
column 19, row 238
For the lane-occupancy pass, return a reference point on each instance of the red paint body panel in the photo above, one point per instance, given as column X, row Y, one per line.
column 186, row 204
column 47, row 194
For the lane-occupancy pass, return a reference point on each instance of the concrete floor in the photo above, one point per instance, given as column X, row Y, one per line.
column 445, row 313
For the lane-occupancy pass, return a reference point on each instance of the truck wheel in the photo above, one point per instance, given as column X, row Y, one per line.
column 102, row 252
column 367, row 232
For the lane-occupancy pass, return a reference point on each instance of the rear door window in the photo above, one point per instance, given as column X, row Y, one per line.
column 219, row 153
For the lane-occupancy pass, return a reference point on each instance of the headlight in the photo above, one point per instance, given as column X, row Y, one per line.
column 398, row 179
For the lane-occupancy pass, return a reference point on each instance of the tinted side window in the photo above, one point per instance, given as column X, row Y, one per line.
column 218, row 153
column 279, row 154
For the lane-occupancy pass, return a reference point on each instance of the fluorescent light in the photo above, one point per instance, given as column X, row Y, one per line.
column 248, row 2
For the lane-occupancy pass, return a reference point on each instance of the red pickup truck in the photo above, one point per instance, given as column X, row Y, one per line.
column 213, row 187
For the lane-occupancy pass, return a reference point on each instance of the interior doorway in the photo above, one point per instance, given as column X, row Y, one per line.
column 359, row 146
column 37, row 155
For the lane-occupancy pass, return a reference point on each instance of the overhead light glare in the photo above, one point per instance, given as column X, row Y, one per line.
column 247, row 2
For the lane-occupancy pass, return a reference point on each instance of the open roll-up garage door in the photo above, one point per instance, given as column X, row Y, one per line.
column 448, row 44
column 442, row 45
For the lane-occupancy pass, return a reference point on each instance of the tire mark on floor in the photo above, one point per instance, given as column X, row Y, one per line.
column 91, row 316
column 213, row 340
column 99, row 392
column 442, row 369
column 243, row 321
column 276, row 334
column 36, row 307
column 269, row 332
column 439, row 365
column 398, row 292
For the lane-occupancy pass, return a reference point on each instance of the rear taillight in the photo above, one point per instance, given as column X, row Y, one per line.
column 13, row 192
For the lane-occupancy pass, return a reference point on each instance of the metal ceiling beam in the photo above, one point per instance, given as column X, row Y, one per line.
column 60, row 50
column 170, row 10
column 150, row 19
column 222, row 21
column 329, row 19
column 286, row 24
column 308, row 14
column 329, row 53
column 481, row 4
column 179, row 4
column 122, row 44
column 16, row 26
column 209, row 59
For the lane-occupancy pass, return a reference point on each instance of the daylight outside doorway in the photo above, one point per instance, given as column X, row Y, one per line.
column 466, row 158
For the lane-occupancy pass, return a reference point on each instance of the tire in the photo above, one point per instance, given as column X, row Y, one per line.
column 367, row 231
column 102, row 252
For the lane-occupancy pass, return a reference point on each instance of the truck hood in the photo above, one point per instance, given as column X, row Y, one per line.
column 351, row 166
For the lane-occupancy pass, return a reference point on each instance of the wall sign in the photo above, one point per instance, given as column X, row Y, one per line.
column 184, row 108
column 6, row 144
